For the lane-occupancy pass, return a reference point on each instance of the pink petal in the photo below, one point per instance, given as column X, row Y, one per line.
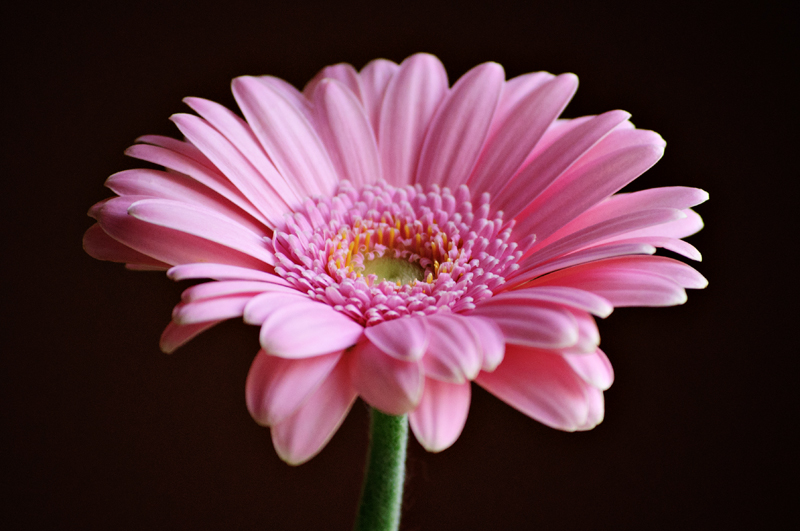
column 221, row 272
column 180, row 147
column 94, row 210
column 680, row 197
column 588, row 334
column 375, row 77
column 511, row 141
column 298, row 327
column 581, row 187
column 532, row 179
column 210, row 177
column 234, row 165
column 165, row 244
column 571, row 297
column 101, row 246
column 405, row 339
column 441, row 414
column 286, row 135
column 673, row 197
column 221, row 288
column 540, row 384
column 594, row 368
column 217, row 309
column 301, row 436
column 287, row 90
column 621, row 286
column 238, row 132
column 347, row 134
column 490, row 339
column 264, row 305
column 603, row 231
column 673, row 244
column 596, row 406
column 203, row 223
column 683, row 274
column 515, row 91
column 530, row 271
column 557, row 130
column 176, row 335
column 386, row 383
column 532, row 323
column 454, row 352
column 459, row 127
column 276, row 387
column 343, row 73
column 178, row 187
column 411, row 99
column 680, row 228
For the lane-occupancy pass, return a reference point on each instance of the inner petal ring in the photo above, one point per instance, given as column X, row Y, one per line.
column 383, row 252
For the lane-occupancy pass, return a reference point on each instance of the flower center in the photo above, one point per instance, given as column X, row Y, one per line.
column 394, row 270
column 383, row 252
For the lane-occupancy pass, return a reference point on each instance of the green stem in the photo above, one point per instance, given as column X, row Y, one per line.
column 382, row 493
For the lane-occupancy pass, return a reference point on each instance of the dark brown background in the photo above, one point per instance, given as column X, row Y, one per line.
column 102, row 431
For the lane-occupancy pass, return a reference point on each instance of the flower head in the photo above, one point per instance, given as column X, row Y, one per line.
column 395, row 238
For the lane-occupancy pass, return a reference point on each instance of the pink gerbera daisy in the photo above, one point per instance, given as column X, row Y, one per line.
column 396, row 239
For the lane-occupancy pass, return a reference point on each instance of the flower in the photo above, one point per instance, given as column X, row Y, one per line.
column 396, row 239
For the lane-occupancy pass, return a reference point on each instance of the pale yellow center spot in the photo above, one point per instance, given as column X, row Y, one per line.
column 394, row 270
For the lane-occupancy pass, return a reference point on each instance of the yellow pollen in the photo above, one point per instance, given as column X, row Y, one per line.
column 349, row 255
column 408, row 231
column 433, row 248
column 444, row 241
column 380, row 235
column 366, row 241
column 397, row 224
column 391, row 236
column 338, row 264
column 429, row 280
column 430, row 230
column 357, row 242
column 419, row 243
column 436, row 266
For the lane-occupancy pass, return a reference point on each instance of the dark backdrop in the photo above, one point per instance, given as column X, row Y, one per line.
column 102, row 431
